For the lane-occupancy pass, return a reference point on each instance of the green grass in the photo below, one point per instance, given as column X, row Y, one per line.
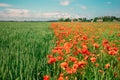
column 25, row 45
column 23, row 50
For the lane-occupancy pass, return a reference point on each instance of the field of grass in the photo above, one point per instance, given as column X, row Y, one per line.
column 23, row 49
column 59, row 51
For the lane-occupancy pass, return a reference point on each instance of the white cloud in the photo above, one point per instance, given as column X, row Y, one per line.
column 5, row 5
column 65, row 2
column 14, row 14
column 49, row 15
column 18, row 12
column 111, row 13
column 83, row 7
column 108, row 2
column 24, row 14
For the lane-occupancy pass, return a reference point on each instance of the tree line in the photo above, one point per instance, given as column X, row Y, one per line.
column 96, row 19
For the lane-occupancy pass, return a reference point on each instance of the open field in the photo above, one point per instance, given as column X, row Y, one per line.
column 59, row 51
column 23, row 48
column 85, row 51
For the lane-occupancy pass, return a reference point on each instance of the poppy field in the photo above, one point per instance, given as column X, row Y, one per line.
column 85, row 51
column 60, row 51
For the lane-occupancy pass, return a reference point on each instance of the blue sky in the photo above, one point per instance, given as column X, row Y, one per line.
column 54, row 9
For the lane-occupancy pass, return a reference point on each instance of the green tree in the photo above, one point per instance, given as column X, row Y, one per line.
column 61, row 19
column 95, row 19
column 67, row 20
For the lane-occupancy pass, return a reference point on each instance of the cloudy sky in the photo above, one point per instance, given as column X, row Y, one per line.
column 54, row 9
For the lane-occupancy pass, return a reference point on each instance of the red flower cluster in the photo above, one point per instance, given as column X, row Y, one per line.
column 76, row 46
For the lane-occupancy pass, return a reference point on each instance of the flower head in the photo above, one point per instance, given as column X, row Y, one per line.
column 46, row 77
